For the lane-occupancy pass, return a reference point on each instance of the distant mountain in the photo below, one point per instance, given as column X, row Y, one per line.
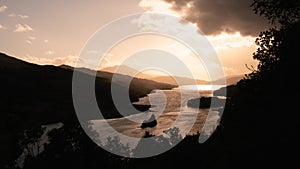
column 34, row 95
column 182, row 80
column 126, row 70
column 43, row 94
column 230, row 80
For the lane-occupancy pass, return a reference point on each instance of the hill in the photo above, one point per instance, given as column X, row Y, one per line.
column 34, row 95
column 230, row 80
column 126, row 70
column 41, row 89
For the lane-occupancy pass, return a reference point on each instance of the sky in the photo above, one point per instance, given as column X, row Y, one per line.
column 55, row 32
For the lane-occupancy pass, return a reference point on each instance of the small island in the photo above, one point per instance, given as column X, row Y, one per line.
column 151, row 122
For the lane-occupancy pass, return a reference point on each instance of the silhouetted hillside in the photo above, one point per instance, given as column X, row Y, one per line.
column 158, row 78
column 126, row 70
column 34, row 95
column 230, row 80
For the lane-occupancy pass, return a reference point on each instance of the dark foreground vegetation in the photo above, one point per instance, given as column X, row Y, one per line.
column 258, row 129
column 34, row 95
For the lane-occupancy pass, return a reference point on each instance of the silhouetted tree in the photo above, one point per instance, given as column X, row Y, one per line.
column 282, row 12
column 154, row 144
column 264, row 108
column 273, row 53
column 114, row 145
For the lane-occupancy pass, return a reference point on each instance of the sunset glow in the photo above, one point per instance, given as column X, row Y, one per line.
column 40, row 42
column 116, row 84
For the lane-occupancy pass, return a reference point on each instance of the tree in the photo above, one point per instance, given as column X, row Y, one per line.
column 264, row 105
column 282, row 12
column 32, row 141
column 276, row 46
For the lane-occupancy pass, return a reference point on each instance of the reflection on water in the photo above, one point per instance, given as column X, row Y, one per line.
column 167, row 106
column 201, row 87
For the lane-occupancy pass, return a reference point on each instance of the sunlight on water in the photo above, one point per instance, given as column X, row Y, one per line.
column 166, row 117
column 201, row 87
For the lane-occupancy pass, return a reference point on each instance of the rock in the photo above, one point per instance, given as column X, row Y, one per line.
column 152, row 122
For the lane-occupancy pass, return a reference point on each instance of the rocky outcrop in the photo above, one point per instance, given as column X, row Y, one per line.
column 152, row 122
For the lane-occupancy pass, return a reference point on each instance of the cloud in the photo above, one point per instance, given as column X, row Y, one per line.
column 23, row 16
column 12, row 15
column 93, row 52
column 23, row 28
column 225, row 41
column 215, row 17
column 31, row 37
column 28, row 42
column 157, row 6
column 49, row 52
column 2, row 27
column 68, row 60
column 3, row 8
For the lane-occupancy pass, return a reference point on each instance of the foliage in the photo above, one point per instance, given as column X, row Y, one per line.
column 272, row 52
column 114, row 145
column 31, row 141
column 282, row 12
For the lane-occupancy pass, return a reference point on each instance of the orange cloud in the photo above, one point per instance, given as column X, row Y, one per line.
column 23, row 28
column 2, row 27
column 3, row 8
